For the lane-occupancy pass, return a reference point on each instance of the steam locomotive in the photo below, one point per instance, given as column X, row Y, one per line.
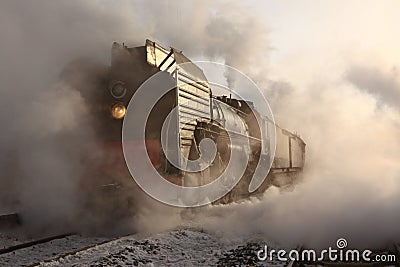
column 108, row 90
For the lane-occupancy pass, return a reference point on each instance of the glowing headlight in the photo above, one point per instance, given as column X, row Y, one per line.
column 117, row 89
column 118, row 111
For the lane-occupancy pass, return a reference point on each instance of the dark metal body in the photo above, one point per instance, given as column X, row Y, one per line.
column 200, row 110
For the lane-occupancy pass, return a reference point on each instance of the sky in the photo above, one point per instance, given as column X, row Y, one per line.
column 330, row 30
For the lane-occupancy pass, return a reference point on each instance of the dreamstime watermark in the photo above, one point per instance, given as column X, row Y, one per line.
column 158, row 86
column 340, row 253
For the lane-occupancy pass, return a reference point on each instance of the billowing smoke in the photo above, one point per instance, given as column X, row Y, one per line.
column 45, row 125
column 350, row 185
column 210, row 30
column 347, row 114
column 346, row 111
column 384, row 86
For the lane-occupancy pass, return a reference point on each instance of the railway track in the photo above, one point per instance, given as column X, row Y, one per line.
column 18, row 250
column 57, row 258
column 72, row 249
column 32, row 243
column 35, row 252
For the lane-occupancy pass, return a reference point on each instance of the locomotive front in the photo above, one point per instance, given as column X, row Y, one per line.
column 199, row 115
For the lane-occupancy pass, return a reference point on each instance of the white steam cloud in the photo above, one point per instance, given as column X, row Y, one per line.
column 45, row 124
column 46, row 120
column 347, row 114
column 349, row 118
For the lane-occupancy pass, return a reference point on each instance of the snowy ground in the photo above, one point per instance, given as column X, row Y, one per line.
column 38, row 253
column 186, row 247
column 11, row 238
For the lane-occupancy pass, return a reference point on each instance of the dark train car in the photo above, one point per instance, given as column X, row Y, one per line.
column 200, row 115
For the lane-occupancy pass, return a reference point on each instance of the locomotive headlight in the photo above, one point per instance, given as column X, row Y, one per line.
column 118, row 111
column 117, row 89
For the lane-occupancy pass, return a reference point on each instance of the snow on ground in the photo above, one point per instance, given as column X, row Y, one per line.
column 187, row 247
column 11, row 238
column 48, row 250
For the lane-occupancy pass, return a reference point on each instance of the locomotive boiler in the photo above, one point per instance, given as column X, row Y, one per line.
column 201, row 114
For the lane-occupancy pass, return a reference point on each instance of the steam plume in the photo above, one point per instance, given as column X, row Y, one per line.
column 347, row 114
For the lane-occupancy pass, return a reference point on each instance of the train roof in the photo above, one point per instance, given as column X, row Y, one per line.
column 167, row 59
